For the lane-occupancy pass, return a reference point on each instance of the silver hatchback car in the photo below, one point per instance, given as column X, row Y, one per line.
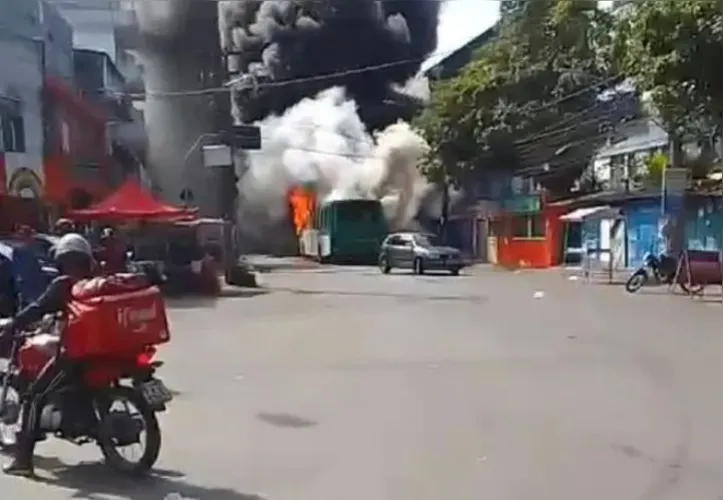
column 416, row 251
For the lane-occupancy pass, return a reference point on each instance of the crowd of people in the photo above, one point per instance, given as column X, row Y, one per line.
column 109, row 247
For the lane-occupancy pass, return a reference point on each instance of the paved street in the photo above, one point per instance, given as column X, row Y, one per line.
column 343, row 384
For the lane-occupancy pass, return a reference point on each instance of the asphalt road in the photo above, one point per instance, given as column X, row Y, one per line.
column 343, row 384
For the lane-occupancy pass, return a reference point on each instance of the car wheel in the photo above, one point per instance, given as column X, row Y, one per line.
column 418, row 266
column 384, row 265
column 454, row 271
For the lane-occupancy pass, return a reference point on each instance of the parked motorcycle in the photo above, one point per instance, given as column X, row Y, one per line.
column 662, row 269
column 110, row 402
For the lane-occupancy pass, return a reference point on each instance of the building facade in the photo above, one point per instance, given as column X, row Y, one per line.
column 93, row 23
column 105, row 38
column 21, row 80
column 77, row 150
column 102, row 84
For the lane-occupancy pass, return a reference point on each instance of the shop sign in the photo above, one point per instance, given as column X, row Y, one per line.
column 522, row 204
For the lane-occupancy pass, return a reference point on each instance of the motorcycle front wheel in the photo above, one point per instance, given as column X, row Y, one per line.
column 10, row 418
column 636, row 281
column 122, row 428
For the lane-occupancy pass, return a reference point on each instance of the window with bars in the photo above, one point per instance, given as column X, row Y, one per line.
column 528, row 226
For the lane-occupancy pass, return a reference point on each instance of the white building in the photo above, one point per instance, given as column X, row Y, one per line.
column 621, row 160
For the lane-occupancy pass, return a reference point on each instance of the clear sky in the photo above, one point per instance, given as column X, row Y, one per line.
column 460, row 21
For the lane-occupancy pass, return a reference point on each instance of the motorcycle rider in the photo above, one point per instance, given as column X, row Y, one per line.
column 74, row 258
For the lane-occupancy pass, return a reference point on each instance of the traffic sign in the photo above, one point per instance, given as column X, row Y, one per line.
column 246, row 137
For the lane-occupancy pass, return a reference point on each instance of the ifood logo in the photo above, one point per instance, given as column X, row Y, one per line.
column 135, row 318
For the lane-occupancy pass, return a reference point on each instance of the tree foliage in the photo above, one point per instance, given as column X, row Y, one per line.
column 518, row 89
column 673, row 49
column 531, row 97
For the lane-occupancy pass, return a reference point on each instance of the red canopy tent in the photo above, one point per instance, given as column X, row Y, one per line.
column 131, row 202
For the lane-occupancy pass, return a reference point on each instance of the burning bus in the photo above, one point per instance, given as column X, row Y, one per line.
column 339, row 230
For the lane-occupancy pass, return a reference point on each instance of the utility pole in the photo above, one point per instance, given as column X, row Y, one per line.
column 239, row 137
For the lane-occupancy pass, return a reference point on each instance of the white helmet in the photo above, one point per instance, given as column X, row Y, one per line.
column 72, row 243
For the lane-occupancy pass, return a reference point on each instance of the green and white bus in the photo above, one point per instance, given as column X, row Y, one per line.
column 345, row 231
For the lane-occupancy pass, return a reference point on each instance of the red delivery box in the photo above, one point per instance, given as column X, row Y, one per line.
column 114, row 316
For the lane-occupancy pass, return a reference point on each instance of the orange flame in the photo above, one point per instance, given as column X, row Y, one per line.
column 302, row 208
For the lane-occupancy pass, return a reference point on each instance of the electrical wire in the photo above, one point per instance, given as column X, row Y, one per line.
column 548, row 131
column 110, row 3
column 228, row 88
column 294, row 81
column 552, row 169
column 530, row 141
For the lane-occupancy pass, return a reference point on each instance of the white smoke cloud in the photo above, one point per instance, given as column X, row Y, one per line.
column 322, row 143
column 417, row 87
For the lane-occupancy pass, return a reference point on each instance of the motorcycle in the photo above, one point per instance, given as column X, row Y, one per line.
column 81, row 409
column 662, row 269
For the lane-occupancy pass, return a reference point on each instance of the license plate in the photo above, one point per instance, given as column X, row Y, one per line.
column 156, row 393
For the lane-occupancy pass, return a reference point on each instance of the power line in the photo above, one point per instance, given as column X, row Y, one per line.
column 228, row 88
column 549, row 131
column 275, row 84
column 598, row 120
column 80, row 5
column 539, row 169
column 532, row 142
column 334, row 75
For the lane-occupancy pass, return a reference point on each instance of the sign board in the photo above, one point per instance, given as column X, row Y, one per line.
column 676, row 181
column 674, row 186
column 522, row 204
column 247, row 137
column 217, row 155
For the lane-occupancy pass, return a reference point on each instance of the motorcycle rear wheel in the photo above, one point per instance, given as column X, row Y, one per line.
column 636, row 281
column 152, row 447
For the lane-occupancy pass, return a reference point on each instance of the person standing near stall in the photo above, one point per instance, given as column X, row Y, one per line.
column 63, row 227
column 113, row 252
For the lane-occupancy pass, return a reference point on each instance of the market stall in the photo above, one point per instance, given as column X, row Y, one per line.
column 161, row 239
column 131, row 202
column 190, row 253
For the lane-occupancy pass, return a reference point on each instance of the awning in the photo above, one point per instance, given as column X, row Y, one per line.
column 131, row 202
column 599, row 212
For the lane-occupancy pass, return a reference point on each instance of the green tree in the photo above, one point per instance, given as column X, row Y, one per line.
column 674, row 49
column 511, row 107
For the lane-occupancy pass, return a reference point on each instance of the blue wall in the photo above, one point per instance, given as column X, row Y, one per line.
column 643, row 220
column 704, row 224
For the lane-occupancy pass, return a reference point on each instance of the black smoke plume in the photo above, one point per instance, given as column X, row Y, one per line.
column 278, row 41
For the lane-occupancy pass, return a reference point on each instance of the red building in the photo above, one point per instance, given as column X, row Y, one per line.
column 77, row 162
column 527, row 233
